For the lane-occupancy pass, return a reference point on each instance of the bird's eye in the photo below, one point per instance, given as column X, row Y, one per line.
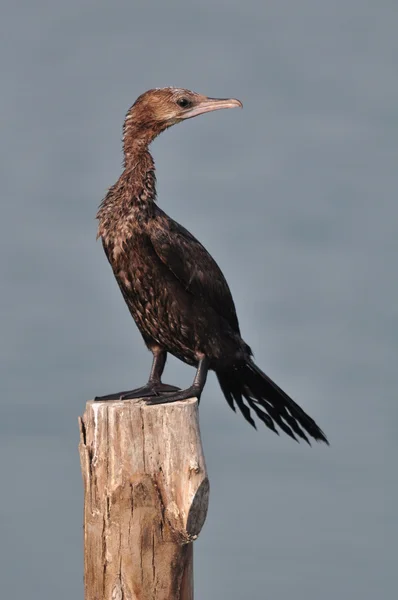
column 183, row 102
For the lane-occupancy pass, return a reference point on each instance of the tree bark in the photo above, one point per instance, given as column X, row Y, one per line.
column 145, row 499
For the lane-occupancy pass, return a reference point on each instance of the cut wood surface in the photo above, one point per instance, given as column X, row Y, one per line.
column 145, row 499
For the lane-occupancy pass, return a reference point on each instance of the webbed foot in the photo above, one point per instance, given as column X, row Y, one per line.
column 146, row 391
column 191, row 392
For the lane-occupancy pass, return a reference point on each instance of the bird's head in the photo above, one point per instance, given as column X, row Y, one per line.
column 157, row 109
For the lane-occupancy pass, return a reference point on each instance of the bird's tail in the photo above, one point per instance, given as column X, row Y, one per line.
column 247, row 383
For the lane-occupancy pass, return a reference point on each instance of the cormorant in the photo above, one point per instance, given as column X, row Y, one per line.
column 173, row 288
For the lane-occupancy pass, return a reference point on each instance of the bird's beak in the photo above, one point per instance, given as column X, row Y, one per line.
column 210, row 104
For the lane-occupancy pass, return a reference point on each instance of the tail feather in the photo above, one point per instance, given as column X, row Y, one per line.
column 246, row 382
column 245, row 410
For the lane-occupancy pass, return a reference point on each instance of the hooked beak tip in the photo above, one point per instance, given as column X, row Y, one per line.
column 238, row 104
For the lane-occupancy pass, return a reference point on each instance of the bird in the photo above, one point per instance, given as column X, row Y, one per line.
column 173, row 288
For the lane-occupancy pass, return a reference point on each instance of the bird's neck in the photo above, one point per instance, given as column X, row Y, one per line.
column 139, row 175
column 132, row 198
column 137, row 136
column 139, row 169
column 139, row 166
column 135, row 150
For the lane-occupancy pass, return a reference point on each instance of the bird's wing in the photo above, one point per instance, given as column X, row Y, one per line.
column 193, row 266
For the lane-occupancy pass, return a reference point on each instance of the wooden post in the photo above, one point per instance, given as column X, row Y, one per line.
column 145, row 499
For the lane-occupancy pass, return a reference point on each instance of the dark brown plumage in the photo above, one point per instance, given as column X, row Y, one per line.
column 173, row 288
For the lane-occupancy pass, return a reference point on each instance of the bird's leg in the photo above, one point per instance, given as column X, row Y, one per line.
column 154, row 387
column 194, row 391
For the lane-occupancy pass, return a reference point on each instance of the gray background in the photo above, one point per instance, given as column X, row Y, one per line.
column 295, row 196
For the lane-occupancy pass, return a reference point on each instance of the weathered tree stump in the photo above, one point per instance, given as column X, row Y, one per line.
column 145, row 499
